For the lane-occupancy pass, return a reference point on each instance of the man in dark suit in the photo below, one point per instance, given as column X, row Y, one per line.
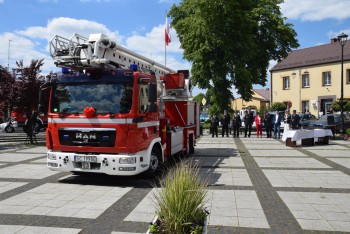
column 295, row 120
column 276, row 121
column 248, row 122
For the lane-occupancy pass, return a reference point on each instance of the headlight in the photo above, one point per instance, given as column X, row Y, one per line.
column 51, row 156
column 127, row 160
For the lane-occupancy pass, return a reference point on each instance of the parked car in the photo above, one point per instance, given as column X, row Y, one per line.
column 203, row 117
column 331, row 121
column 305, row 120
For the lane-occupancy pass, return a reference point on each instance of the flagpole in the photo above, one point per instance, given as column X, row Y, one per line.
column 164, row 36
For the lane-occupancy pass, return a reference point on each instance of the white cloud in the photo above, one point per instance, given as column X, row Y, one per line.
column 334, row 34
column 311, row 10
column 66, row 27
column 150, row 45
column 19, row 48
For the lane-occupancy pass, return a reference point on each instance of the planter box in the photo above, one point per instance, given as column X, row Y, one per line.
column 204, row 228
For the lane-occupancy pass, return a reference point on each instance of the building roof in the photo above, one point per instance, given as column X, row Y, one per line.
column 322, row 54
column 265, row 93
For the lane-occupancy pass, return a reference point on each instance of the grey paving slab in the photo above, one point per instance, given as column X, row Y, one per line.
column 9, row 229
column 42, row 161
column 326, row 147
column 6, row 186
column 319, row 211
column 26, row 171
column 38, row 149
column 342, row 161
column 266, row 146
column 308, row 178
column 290, row 162
column 221, row 152
column 241, row 208
column 257, row 140
column 225, row 176
column 218, row 161
column 66, row 200
column 145, row 211
column 17, row 157
column 276, row 153
column 331, row 153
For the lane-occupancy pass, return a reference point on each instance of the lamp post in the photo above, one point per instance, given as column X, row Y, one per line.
column 8, row 57
column 342, row 38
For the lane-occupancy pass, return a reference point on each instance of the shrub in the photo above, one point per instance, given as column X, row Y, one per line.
column 180, row 202
column 347, row 131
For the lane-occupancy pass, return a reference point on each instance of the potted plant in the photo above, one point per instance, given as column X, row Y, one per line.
column 180, row 202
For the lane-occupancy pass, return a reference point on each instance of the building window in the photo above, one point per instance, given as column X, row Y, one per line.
column 306, row 81
column 305, row 105
column 286, row 82
column 348, row 76
column 326, row 78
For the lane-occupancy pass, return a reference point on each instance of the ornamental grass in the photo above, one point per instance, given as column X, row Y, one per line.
column 180, row 202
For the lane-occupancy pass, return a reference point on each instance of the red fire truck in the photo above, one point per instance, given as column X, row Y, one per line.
column 114, row 111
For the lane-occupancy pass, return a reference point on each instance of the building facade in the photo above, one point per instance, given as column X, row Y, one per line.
column 260, row 101
column 310, row 79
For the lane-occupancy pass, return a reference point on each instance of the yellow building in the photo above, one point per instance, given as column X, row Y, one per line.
column 260, row 100
column 310, row 79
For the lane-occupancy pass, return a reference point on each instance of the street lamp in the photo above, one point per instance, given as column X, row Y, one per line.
column 342, row 38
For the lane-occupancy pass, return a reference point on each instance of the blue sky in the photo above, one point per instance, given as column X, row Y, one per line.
column 138, row 25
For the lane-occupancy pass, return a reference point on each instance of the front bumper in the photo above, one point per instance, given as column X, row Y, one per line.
column 102, row 163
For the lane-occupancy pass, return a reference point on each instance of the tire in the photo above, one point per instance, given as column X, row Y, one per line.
column 155, row 161
column 9, row 129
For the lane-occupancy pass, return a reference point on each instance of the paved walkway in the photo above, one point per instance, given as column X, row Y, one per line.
column 256, row 185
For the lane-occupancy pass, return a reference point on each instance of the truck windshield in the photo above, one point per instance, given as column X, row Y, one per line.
column 104, row 98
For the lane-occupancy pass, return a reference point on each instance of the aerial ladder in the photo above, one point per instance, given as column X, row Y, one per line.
column 98, row 51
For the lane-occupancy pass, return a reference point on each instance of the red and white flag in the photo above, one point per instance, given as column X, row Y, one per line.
column 167, row 32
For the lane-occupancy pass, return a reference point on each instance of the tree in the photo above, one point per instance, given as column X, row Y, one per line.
column 199, row 97
column 7, row 90
column 230, row 43
column 278, row 106
column 29, row 81
column 336, row 106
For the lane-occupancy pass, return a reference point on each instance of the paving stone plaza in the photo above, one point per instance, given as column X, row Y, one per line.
column 256, row 185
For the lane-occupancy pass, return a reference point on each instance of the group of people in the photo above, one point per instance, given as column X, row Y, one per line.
column 272, row 123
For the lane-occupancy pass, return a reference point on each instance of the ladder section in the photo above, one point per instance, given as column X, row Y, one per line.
column 80, row 53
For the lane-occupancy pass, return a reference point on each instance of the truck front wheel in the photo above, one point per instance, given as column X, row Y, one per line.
column 154, row 162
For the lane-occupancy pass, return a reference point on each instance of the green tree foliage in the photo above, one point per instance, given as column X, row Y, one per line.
column 230, row 43
column 278, row 106
column 336, row 106
column 199, row 97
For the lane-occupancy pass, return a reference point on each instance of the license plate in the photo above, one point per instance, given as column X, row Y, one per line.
column 78, row 158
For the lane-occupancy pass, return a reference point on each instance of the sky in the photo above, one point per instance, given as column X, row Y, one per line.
column 27, row 26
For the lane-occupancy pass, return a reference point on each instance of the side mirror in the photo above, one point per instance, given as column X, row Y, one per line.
column 152, row 93
column 44, row 95
column 152, row 107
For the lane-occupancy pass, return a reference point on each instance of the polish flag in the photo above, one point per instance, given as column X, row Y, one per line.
column 167, row 32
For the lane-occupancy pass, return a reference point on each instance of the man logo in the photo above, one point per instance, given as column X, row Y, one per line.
column 86, row 136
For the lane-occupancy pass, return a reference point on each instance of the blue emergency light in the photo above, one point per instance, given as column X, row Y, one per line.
column 65, row 70
column 133, row 67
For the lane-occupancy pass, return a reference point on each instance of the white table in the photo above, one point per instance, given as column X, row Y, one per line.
column 307, row 136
